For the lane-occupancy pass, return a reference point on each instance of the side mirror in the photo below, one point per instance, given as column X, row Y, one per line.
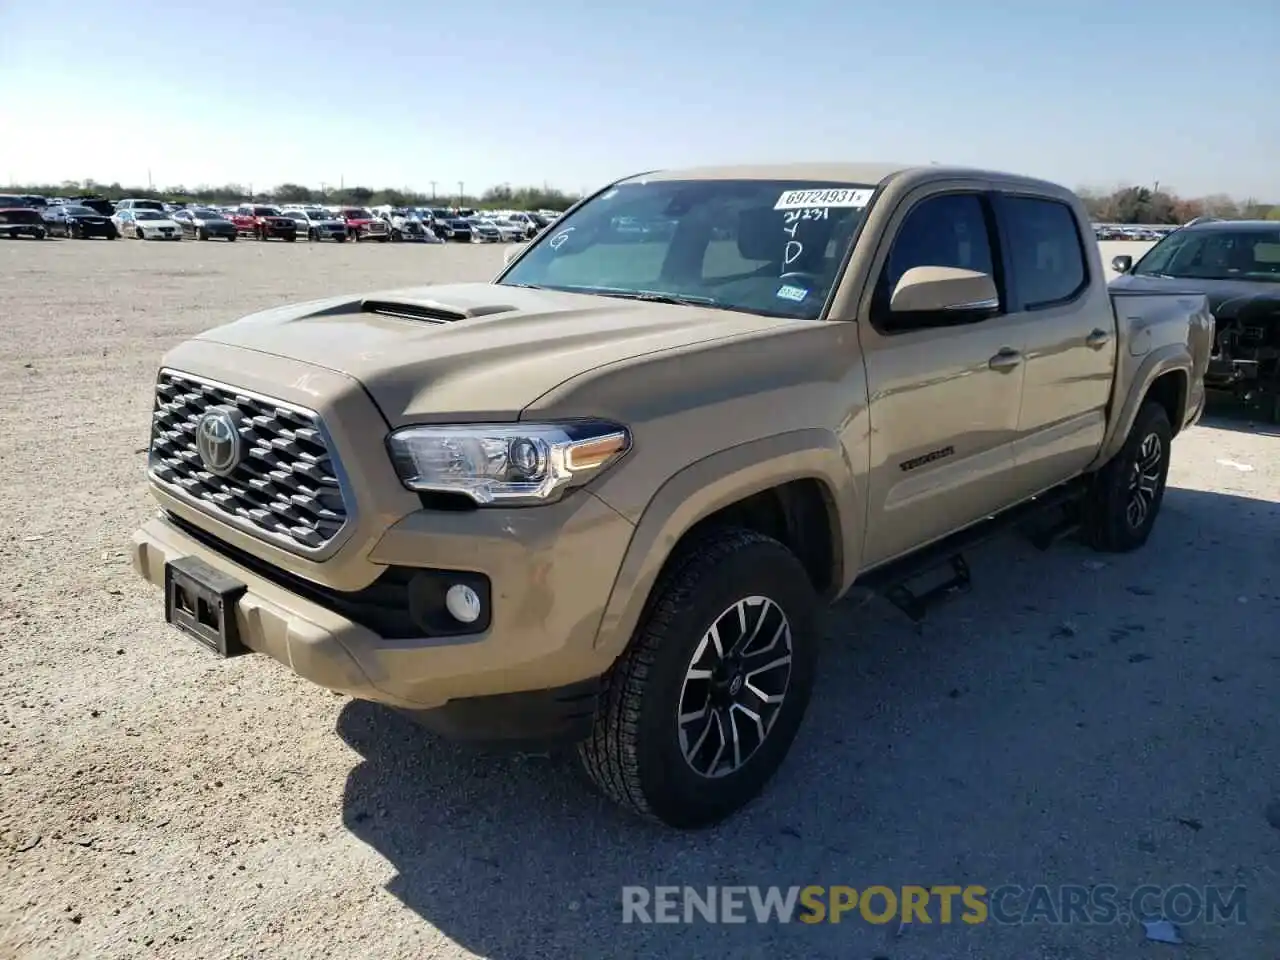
column 1122, row 263
column 512, row 252
column 934, row 289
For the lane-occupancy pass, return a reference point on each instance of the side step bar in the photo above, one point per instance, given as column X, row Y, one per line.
column 893, row 580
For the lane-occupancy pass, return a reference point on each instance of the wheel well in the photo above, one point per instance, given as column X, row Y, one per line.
column 799, row 514
column 1170, row 391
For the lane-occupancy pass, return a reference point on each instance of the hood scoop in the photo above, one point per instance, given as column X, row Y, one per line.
column 430, row 310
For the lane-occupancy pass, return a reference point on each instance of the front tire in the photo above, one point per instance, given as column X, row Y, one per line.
column 138, row 234
column 1124, row 499
column 698, row 713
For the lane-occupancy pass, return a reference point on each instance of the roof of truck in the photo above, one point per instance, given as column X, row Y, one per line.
column 861, row 173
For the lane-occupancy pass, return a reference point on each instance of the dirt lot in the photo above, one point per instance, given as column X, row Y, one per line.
column 1074, row 719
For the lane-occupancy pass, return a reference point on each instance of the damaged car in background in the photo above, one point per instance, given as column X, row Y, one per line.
column 1236, row 264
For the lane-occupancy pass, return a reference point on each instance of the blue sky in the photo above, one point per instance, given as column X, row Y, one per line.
column 404, row 92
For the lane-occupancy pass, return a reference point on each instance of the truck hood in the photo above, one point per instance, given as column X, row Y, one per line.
column 1219, row 292
column 477, row 351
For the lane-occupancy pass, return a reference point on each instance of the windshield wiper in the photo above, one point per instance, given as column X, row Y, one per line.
column 651, row 296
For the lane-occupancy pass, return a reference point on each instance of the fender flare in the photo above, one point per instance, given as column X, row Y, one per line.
column 1166, row 359
column 715, row 482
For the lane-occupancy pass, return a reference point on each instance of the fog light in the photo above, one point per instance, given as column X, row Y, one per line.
column 463, row 603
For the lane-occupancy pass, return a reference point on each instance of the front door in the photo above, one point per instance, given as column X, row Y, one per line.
column 944, row 396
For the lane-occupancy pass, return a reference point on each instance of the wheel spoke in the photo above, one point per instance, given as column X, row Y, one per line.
column 688, row 718
column 737, row 740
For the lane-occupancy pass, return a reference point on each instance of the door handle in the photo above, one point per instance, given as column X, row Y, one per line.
column 1098, row 339
column 1004, row 361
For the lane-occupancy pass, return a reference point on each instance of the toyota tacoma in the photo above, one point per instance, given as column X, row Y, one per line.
column 603, row 498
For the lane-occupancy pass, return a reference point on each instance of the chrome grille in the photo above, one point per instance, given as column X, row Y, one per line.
column 286, row 486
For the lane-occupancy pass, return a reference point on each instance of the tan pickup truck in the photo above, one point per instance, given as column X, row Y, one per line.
column 603, row 498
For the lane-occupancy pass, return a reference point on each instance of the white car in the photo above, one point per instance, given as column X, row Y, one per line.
column 146, row 225
column 316, row 223
column 408, row 227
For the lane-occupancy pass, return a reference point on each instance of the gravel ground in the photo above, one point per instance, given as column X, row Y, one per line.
column 1073, row 719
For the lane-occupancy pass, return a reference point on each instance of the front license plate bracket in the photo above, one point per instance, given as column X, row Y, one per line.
column 200, row 600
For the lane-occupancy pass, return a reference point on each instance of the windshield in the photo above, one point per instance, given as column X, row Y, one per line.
column 761, row 246
column 148, row 215
column 1216, row 254
column 204, row 213
column 148, row 205
column 78, row 211
column 357, row 213
column 266, row 212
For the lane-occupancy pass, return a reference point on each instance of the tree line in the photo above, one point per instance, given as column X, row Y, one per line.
column 503, row 196
column 1153, row 205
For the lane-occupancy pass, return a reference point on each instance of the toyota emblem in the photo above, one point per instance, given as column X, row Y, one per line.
column 218, row 440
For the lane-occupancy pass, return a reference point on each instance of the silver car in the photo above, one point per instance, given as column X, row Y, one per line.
column 316, row 223
column 484, row 231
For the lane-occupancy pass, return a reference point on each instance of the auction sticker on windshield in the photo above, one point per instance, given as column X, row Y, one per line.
column 840, row 197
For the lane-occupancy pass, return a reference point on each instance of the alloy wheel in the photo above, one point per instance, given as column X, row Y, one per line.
column 734, row 687
column 1144, row 480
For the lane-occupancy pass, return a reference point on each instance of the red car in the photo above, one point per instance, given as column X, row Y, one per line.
column 363, row 225
column 263, row 222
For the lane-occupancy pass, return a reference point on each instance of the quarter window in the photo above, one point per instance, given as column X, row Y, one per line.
column 1045, row 249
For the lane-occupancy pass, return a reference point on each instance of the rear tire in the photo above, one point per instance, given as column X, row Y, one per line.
column 202, row 234
column 639, row 753
column 1124, row 498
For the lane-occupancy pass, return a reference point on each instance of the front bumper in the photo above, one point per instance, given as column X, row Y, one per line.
column 551, row 571
column 160, row 235
column 88, row 230
column 22, row 230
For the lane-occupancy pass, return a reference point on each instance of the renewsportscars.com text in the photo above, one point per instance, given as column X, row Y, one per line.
column 1008, row 904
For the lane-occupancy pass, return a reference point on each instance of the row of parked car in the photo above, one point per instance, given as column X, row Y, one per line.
column 146, row 219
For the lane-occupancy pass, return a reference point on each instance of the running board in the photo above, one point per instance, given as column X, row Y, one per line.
column 893, row 580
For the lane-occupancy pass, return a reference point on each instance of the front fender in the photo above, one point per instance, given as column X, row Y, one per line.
column 714, row 482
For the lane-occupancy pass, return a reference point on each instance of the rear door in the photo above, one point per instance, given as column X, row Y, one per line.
column 944, row 393
column 1071, row 339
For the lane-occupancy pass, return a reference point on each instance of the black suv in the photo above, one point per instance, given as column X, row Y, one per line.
column 1236, row 264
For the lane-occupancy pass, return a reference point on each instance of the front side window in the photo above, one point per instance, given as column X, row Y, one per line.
column 947, row 230
column 770, row 247
column 1215, row 254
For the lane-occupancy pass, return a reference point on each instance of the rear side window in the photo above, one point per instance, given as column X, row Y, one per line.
column 1045, row 249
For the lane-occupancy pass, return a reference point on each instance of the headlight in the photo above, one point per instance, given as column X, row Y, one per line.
column 518, row 463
